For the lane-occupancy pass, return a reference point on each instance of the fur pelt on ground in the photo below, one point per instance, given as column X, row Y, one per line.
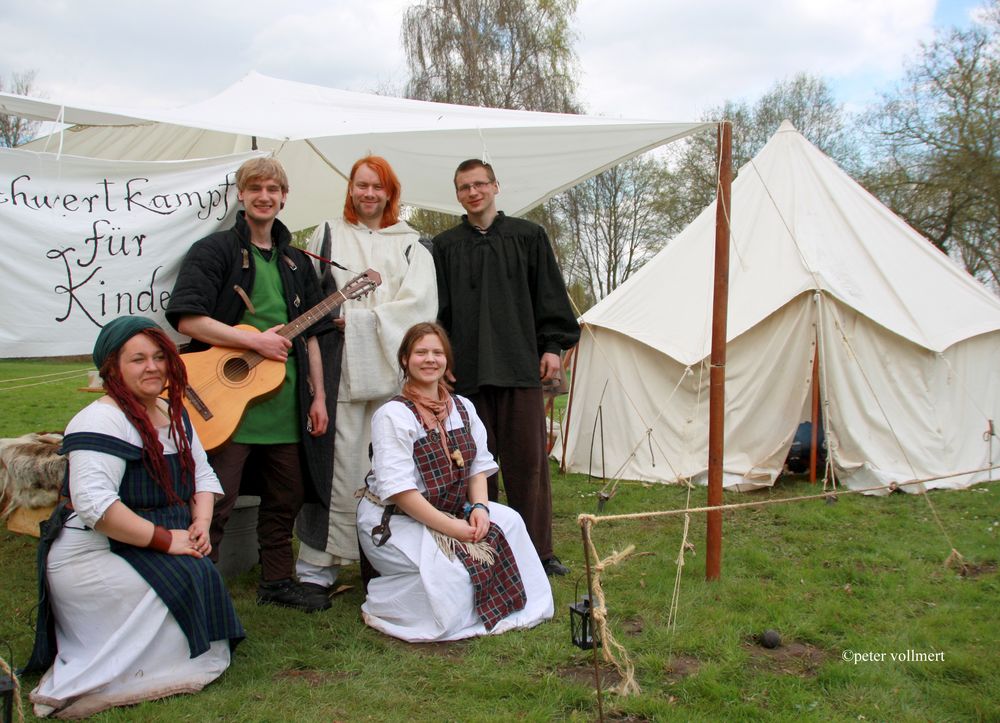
column 31, row 471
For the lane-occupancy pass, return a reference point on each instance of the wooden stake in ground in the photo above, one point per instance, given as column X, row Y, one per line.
column 814, row 439
column 717, row 378
column 584, row 530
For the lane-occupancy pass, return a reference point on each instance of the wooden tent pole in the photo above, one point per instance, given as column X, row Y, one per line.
column 717, row 377
column 569, row 408
column 815, row 416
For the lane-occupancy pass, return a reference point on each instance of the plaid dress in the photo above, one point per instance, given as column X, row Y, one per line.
column 498, row 587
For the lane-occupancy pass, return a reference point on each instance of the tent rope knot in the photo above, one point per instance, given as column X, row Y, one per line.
column 613, row 651
column 957, row 560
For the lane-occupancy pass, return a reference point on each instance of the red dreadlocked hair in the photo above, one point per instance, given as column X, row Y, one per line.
column 152, row 450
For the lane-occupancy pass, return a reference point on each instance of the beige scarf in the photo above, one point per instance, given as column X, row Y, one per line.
column 433, row 413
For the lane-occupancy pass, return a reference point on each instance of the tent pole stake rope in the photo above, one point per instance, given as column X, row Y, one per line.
column 717, row 372
column 8, row 670
column 647, row 437
column 814, row 432
column 587, row 546
column 599, row 614
column 891, row 486
column 564, row 431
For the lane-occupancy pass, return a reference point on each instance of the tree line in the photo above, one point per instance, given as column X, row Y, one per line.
column 928, row 149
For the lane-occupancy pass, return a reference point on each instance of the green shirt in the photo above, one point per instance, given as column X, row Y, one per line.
column 276, row 419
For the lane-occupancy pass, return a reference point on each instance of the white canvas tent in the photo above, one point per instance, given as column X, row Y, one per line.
column 909, row 344
column 319, row 132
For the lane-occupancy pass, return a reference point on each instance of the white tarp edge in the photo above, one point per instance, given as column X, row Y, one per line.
column 318, row 133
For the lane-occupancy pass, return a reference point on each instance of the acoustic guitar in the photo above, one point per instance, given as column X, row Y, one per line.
column 223, row 382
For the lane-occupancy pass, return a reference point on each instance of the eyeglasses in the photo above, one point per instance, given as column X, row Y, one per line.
column 480, row 186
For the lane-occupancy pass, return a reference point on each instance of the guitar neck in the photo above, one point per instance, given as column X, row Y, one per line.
column 361, row 285
column 293, row 328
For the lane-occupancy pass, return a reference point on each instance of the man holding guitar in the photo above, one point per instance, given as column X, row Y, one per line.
column 251, row 276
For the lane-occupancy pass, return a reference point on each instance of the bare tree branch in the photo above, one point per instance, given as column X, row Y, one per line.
column 935, row 146
column 14, row 130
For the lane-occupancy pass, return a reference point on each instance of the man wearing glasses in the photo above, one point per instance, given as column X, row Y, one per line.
column 502, row 299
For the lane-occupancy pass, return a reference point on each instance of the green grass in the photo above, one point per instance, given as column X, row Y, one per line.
column 861, row 574
column 41, row 396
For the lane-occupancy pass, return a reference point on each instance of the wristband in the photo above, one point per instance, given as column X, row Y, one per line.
column 467, row 509
column 161, row 539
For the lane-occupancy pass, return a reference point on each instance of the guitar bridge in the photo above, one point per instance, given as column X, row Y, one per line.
column 198, row 403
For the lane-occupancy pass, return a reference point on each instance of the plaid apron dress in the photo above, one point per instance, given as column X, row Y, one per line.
column 499, row 590
column 191, row 588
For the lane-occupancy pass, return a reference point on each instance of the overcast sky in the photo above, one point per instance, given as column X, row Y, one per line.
column 663, row 59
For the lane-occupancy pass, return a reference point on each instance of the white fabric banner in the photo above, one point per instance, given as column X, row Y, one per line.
column 86, row 241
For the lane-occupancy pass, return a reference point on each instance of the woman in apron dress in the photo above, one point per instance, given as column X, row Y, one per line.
column 131, row 608
column 450, row 564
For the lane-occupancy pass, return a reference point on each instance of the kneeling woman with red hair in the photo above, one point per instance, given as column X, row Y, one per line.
column 451, row 564
column 131, row 607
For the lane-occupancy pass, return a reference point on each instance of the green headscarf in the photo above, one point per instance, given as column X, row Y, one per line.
column 115, row 333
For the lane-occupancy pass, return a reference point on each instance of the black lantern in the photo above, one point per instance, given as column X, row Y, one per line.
column 581, row 624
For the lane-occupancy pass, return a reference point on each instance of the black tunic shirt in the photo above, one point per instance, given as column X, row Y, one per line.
column 502, row 301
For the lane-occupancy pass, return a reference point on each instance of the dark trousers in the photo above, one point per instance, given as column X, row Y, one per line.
column 515, row 428
column 281, row 495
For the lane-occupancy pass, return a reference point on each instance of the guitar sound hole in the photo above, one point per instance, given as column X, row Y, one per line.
column 236, row 369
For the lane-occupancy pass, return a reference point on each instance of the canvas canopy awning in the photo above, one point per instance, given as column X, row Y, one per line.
column 319, row 132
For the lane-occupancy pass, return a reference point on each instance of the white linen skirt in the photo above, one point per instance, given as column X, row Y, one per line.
column 118, row 644
column 422, row 596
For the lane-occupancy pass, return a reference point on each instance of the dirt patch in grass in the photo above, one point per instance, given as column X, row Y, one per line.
column 625, row 717
column 983, row 568
column 310, row 677
column 584, row 673
column 633, row 626
column 789, row 658
column 452, row 649
column 649, row 524
column 680, row 667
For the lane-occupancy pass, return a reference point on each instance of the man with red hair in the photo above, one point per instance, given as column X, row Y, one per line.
column 359, row 359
